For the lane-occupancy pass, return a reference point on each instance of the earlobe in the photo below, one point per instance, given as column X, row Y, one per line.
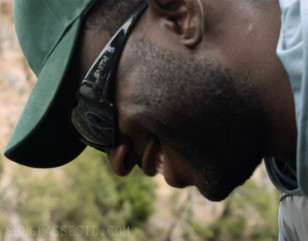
column 184, row 17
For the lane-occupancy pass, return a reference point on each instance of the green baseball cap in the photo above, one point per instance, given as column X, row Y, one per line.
column 47, row 31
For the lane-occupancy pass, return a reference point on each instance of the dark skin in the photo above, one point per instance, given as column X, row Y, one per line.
column 214, row 127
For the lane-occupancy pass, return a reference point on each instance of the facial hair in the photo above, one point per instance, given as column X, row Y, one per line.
column 210, row 115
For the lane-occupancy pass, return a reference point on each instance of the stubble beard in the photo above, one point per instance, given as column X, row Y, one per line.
column 210, row 115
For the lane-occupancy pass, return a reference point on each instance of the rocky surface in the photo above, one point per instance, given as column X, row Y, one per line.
column 16, row 80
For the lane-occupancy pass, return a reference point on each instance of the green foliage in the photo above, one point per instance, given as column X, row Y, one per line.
column 250, row 214
column 1, row 164
column 84, row 198
column 4, row 223
column 200, row 229
column 133, row 192
column 230, row 227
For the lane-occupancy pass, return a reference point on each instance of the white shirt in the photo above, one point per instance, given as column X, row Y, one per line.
column 292, row 49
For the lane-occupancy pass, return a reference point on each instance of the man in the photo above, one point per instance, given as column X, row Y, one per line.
column 192, row 89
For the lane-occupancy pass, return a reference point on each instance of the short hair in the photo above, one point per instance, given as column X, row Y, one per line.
column 110, row 14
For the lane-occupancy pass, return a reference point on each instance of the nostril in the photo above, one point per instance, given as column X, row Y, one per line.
column 128, row 164
column 118, row 157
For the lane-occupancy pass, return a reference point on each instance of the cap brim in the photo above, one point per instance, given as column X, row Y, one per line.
column 42, row 136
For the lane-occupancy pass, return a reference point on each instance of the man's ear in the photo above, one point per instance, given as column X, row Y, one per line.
column 184, row 17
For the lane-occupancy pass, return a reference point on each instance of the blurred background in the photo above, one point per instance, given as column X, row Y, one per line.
column 84, row 200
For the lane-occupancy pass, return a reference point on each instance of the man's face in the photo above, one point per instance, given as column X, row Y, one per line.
column 195, row 112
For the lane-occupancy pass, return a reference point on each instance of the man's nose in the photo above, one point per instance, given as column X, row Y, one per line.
column 118, row 159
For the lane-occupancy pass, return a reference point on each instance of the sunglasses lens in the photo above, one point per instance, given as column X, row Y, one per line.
column 95, row 124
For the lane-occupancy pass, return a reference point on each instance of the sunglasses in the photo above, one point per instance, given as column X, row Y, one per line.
column 94, row 116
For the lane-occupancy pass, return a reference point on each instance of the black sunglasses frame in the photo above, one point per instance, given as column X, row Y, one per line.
column 94, row 116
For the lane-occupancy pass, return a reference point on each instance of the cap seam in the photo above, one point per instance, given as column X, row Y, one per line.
column 68, row 23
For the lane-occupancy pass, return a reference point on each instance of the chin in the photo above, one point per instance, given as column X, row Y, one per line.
column 219, row 187
column 213, row 195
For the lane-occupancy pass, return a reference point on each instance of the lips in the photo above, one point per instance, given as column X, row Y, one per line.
column 157, row 157
column 167, row 161
column 160, row 158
